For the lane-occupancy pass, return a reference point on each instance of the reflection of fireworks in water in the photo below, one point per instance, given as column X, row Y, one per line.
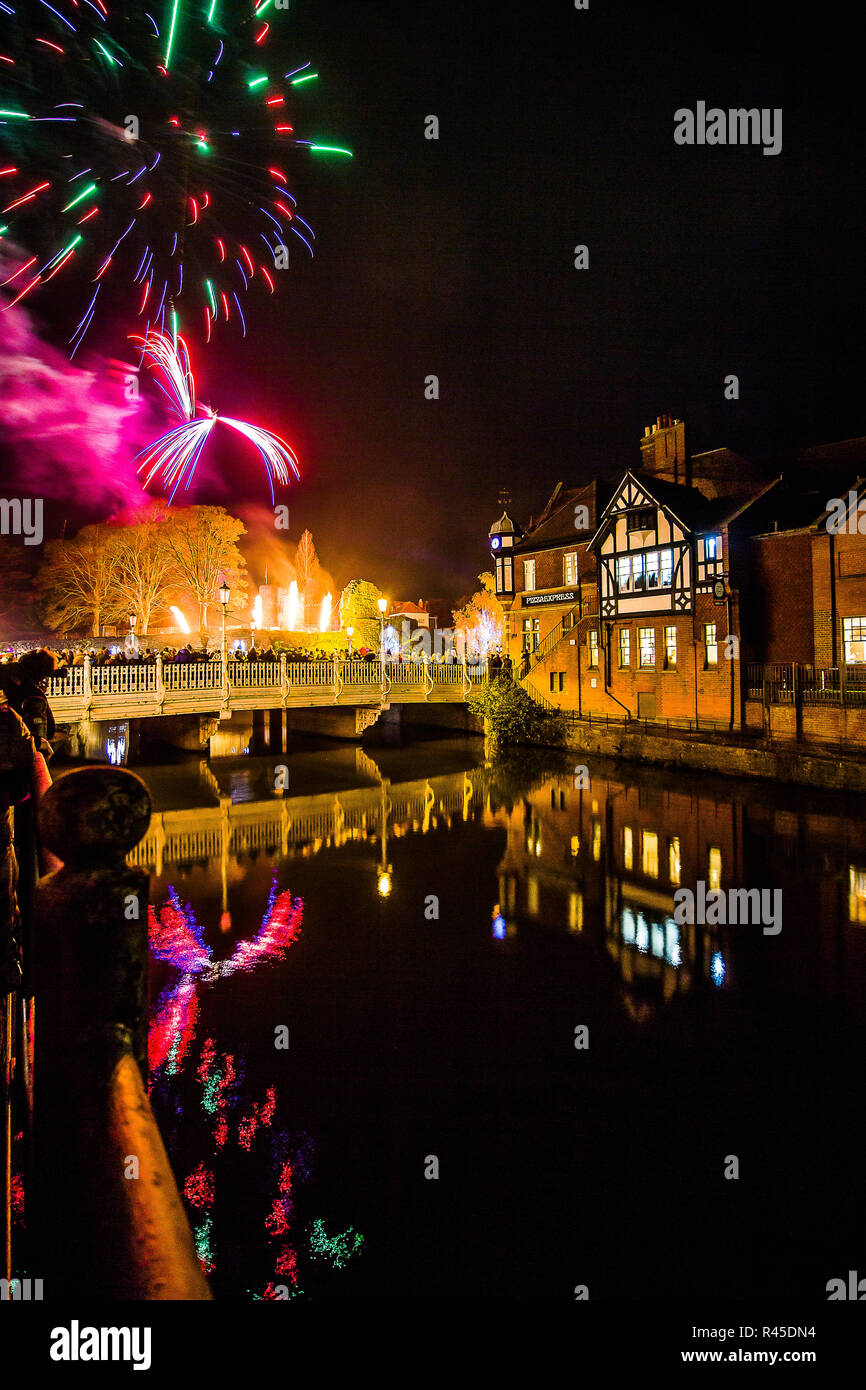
column 177, row 938
column 183, row 203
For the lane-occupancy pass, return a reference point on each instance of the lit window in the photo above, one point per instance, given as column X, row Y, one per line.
column 649, row 853
column 623, row 574
column 854, row 637
column 713, row 547
column 652, row 569
column 670, row 648
column 625, row 646
column 593, row 648
column 857, row 895
column 571, row 568
column 667, row 568
column 715, row 874
column 711, row 645
column 627, row 847
column 675, row 867
column 529, row 575
column 638, row 572
column 647, row 643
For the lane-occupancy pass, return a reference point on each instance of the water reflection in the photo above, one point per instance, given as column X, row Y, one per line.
column 554, row 904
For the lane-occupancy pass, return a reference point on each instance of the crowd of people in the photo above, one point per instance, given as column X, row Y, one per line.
column 71, row 657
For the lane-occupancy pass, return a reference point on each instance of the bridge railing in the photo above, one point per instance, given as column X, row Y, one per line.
column 308, row 672
column 192, row 675
column 254, row 674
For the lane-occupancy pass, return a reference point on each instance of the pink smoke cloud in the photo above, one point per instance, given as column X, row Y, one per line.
column 70, row 430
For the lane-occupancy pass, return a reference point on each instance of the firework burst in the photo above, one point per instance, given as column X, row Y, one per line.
column 144, row 155
column 175, row 456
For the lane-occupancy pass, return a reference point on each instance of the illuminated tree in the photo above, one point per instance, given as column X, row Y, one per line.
column 203, row 544
column 306, row 569
column 482, row 622
column 78, row 580
column 359, row 608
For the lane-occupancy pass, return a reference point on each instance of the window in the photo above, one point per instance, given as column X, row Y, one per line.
column 674, row 862
column 557, row 682
column 651, row 570
column 715, row 870
column 854, row 638
column 531, row 632
column 624, row 646
column 670, row 648
column 712, row 547
column 641, row 520
column 593, row 649
column 570, row 568
column 647, row 644
column 627, row 847
column 649, row 852
column 529, row 575
column 711, row 646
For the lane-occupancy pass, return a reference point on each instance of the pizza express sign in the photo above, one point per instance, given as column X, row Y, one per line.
column 540, row 600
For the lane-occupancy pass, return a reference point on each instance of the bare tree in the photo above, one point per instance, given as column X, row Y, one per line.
column 146, row 564
column 78, row 579
column 203, row 544
column 306, row 568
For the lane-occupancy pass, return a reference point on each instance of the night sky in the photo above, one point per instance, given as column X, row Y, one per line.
column 455, row 257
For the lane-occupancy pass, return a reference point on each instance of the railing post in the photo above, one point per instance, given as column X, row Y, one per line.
column 87, row 685
column 284, row 679
column 160, row 681
column 102, row 1176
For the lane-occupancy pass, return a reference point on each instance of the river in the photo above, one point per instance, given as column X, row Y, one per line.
column 427, row 1027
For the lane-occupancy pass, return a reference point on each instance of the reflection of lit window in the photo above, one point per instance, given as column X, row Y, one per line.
column 628, row 926
column 627, row 847
column 717, row 969
column 575, row 845
column 498, row 924
column 673, row 950
column 674, row 865
column 575, row 912
column 596, row 840
column 857, row 895
column 532, row 895
column 715, row 869
column 658, row 940
column 642, row 934
column 650, row 853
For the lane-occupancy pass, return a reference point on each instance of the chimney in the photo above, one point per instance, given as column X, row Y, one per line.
column 663, row 451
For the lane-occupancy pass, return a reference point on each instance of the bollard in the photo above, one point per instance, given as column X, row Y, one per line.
column 108, row 1218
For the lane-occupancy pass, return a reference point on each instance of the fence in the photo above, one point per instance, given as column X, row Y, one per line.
column 807, row 685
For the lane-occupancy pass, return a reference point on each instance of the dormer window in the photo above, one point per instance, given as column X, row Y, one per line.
column 642, row 519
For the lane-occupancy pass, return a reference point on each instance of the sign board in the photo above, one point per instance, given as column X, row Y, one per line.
column 559, row 596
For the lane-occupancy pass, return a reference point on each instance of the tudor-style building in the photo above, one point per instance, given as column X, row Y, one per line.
column 668, row 609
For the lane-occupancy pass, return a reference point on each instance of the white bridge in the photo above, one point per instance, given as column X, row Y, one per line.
column 139, row 690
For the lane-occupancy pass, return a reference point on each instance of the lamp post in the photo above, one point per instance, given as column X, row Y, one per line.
column 132, row 643
column 225, row 595
column 350, row 632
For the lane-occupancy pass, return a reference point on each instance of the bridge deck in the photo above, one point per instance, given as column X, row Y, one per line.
column 140, row 691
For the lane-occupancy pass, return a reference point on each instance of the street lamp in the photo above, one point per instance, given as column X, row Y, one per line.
column 350, row 633
column 132, row 621
column 382, row 605
column 225, row 595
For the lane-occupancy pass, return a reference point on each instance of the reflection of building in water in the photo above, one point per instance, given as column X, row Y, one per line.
column 605, row 861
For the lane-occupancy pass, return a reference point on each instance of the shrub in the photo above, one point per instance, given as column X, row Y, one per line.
column 512, row 716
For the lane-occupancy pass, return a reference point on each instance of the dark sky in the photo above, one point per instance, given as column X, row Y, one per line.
column 455, row 257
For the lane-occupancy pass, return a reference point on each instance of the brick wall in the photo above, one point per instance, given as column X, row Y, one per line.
column 776, row 607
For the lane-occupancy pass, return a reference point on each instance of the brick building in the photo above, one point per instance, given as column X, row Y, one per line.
column 648, row 597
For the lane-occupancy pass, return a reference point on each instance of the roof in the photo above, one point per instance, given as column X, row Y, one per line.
column 690, row 507
column 556, row 525
column 503, row 527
